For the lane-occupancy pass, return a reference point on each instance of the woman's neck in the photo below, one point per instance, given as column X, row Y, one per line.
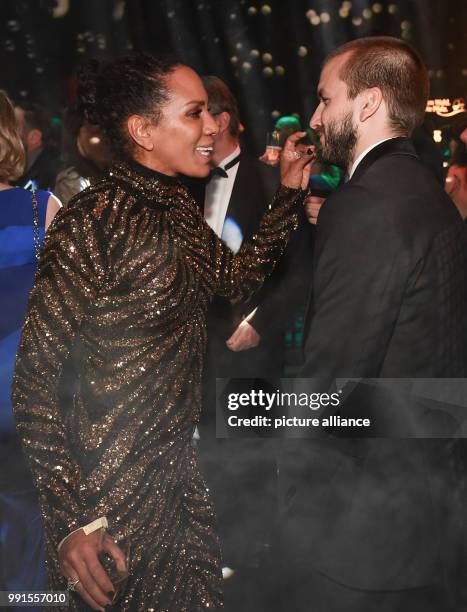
column 4, row 186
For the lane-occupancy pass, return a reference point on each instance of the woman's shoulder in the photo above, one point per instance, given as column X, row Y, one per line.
column 20, row 194
column 16, row 205
column 43, row 196
column 96, row 202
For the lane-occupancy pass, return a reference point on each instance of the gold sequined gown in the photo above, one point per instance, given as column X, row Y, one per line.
column 124, row 282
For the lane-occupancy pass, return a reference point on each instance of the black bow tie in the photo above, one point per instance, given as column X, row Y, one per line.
column 218, row 171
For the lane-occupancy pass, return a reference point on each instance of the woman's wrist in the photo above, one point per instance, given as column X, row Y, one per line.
column 100, row 523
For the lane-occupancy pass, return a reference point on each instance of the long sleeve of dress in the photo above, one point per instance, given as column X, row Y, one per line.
column 237, row 276
column 240, row 275
column 123, row 285
column 67, row 281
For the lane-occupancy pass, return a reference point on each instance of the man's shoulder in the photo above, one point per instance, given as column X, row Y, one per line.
column 393, row 181
column 395, row 196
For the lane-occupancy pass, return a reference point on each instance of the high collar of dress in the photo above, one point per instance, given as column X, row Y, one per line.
column 147, row 182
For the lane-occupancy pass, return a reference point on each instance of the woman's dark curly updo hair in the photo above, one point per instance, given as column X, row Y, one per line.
column 133, row 85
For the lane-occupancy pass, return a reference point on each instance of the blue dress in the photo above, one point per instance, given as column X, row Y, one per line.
column 22, row 564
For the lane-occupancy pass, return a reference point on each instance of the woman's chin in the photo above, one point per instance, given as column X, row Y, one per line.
column 198, row 171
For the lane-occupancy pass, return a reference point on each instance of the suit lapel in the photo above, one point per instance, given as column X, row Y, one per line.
column 244, row 201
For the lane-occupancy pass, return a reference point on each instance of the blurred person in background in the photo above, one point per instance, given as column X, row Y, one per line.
column 428, row 152
column 456, row 187
column 43, row 161
column 458, row 145
column 24, row 217
column 456, row 179
column 85, row 155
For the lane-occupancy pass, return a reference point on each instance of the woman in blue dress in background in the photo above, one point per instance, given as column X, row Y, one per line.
column 24, row 217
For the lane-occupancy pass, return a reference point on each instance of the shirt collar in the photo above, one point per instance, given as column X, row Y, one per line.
column 230, row 157
column 363, row 153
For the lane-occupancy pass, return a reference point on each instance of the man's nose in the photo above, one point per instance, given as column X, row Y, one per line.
column 315, row 120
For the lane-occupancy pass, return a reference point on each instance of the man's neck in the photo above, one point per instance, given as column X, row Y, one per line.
column 365, row 143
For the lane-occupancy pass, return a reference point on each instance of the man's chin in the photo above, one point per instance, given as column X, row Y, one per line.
column 324, row 157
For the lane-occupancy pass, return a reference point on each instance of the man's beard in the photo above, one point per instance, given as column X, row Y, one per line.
column 340, row 138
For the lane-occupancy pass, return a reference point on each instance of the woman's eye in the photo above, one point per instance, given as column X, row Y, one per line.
column 196, row 114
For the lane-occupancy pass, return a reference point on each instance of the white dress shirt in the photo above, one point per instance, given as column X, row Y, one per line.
column 217, row 198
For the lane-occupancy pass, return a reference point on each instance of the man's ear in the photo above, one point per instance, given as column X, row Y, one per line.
column 223, row 120
column 371, row 100
column 140, row 130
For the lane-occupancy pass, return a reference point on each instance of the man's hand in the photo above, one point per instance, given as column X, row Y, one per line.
column 78, row 557
column 243, row 338
column 296, row 162
column 312, row 207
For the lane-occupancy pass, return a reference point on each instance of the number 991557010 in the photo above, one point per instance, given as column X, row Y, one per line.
column 33, row 598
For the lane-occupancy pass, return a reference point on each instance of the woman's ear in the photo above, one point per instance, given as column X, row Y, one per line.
column 140, row 130
column 370, row 102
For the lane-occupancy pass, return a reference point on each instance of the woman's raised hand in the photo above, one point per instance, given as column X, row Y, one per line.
column 295, row 162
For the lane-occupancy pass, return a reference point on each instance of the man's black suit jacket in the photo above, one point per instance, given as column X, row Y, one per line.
column 389, row 290
column 389, row 300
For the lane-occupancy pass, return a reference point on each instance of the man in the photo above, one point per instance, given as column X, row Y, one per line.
column 244, row 341
column 362, row 518
column 42, row 158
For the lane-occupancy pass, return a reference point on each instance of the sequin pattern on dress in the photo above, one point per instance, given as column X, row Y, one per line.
column 123, row 286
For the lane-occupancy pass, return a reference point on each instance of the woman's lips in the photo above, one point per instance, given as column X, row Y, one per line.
column 205, row 152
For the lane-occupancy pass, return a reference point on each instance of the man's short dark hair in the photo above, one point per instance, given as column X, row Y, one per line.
column 396, row 68
column 220, row 100
column 37, row 118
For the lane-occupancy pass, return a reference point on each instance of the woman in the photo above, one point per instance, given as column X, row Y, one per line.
column 23, row 220
column 124, row 284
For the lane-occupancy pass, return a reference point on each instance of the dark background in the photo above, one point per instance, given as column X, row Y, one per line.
column 268, row 52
